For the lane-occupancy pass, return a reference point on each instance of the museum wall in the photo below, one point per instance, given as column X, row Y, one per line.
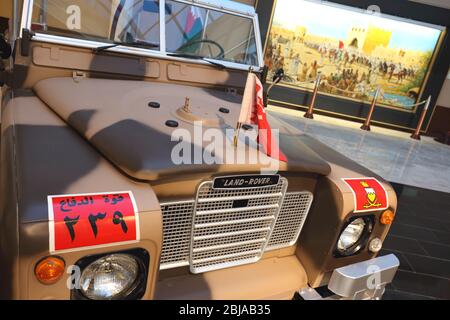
column 357, row 109
column 440, row 122
column 444, row 97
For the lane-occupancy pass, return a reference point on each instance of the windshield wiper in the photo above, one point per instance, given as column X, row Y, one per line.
column 136, row 43
column 196, row 57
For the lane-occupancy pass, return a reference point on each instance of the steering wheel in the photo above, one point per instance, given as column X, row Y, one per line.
column 221, row 55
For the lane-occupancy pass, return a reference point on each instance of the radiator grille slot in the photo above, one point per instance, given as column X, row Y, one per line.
column 177, row 227
column 216, row 220
column 209, row 233
column 290, row 220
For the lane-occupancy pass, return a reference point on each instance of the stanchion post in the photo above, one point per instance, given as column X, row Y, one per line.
column 416, row 134
column 310, row 113
column 366, row 125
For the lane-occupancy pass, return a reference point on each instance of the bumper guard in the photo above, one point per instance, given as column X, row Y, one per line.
column 366, row 280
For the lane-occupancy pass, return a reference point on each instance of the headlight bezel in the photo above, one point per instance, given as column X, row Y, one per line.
column 136, row 291
column 362, row 243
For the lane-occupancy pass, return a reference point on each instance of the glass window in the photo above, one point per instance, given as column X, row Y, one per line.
column 210, row 34
column 190, row 29
column 131, row 21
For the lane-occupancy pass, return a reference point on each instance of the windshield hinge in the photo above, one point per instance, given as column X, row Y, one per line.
column 78, row 76
column 27, row 35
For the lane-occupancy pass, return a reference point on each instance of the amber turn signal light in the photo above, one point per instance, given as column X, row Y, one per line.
column 387, row 217
column 49, row 270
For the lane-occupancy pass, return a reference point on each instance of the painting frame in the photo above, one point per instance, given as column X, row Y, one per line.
column 429, row 66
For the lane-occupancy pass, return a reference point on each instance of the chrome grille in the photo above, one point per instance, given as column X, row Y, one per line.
column 290, row 220
column 225, row 235
column 177, row 227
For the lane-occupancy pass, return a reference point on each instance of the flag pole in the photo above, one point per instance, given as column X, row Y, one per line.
column 236, row 134
column 239, row 125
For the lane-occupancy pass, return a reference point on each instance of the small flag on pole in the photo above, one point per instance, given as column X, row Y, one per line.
column 194, row 22
column 253, row 113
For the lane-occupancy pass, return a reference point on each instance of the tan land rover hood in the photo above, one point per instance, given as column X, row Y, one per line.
column 115, row 117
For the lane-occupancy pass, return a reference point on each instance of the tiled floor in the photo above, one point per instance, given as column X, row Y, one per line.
column 420, row 235
column 420, row 238
column 390, row 154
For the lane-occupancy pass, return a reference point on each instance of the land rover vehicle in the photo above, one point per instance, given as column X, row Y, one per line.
column 93, row 205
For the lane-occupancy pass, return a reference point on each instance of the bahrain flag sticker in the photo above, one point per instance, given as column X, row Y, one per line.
column 85, row 221
column 369, row 194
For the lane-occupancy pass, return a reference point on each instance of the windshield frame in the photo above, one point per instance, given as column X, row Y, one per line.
column 155, row 53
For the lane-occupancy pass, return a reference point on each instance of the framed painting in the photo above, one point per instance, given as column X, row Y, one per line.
column 354, row 51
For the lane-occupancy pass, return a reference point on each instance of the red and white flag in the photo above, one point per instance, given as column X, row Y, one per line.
column 253, row 113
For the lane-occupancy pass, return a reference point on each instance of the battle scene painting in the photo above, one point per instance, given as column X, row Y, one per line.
column 355, row 52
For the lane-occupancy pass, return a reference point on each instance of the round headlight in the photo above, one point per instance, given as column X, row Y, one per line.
column 109, row 277
column 351, row 235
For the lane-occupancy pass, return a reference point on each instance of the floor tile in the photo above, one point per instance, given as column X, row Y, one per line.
column 422, row 284
column 403, row 244
column 412, row 232
column 402, row 295
column 436, row 250
column 420, row 221
column 429, row 265
column 443, row 237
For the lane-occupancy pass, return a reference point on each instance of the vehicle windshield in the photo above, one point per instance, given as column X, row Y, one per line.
column 189, row 29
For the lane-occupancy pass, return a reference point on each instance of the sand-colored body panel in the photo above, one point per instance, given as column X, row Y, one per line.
column 76, row 122
column 50, row 158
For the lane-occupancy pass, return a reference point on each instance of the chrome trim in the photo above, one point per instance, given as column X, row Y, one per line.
column 272, row 219
column 240, row 251
column 229, row 245
column 258, row 41
column 208, row 212
column 162, row 26
column 234, row 222
column 27, row 11
column 15, row 21
column 352, row 282
column 310, row 294
column 364, row 280
column 226, row 256
column 236, row 233
column 167, row 266
column 240, row 197
column 244, row 187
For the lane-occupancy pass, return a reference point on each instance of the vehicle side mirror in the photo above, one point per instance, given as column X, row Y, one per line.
column 5, row 48
column 279, row 75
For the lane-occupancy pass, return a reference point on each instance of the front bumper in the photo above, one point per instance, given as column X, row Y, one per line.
column 366, row 280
